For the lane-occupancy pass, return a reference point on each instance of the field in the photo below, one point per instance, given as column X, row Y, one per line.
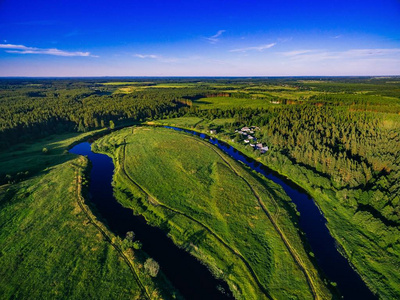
column 50, row 247
column 230, row 218
column 231, row 102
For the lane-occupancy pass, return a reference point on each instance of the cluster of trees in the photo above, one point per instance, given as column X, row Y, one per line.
column 32, row 112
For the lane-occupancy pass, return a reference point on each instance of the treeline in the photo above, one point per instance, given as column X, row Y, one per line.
column 28, row 113
column 358, row 102
column 354, row 153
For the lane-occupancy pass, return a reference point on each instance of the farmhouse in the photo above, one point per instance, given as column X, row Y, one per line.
column 212, row 131
column 264, row 149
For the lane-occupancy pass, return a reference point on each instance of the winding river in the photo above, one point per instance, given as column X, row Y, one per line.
column 186, row 273
column 313, row 224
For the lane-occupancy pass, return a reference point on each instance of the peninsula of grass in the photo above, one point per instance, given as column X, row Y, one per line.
column 371, row 247
column 242, row 226
column 52, row 246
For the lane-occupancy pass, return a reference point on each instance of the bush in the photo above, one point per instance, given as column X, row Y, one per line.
column 45, row 151
column 151, row 267
column 137, row 245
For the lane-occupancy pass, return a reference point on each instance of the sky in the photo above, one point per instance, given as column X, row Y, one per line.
column 199, row 38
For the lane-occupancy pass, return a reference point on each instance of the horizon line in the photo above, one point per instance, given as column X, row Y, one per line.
column 200, row 76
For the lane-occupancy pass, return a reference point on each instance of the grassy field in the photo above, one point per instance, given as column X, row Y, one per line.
column 193, row 122
column 241, row 225
column 29, row 157
column 370, row 245
column 52, row 246
column 230, row 102
column 180, row 122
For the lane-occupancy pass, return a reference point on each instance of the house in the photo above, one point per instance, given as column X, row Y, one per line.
column 264, row 149
column 245, row 129
column 252, row 145
column 246, row 141
column 250, row 137
column 259, row 146
column 212, row 131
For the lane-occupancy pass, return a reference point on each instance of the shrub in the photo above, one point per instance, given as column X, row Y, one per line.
column 151, row 267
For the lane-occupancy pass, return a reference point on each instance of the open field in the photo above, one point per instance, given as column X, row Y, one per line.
column 52, row 246
column 230, row 102
column 213, row 207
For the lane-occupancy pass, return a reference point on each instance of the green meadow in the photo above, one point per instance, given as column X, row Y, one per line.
column 52, row 244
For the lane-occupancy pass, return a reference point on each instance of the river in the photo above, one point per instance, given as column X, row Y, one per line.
column 312, row 222
column 186, row 273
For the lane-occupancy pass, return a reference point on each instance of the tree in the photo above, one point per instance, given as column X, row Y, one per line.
column 151, row 267
column 130, row 236
column 137, row 245
column 112, row 125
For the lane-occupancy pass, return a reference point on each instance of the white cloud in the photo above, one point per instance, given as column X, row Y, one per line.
column 297, row 52
column 256, row 48
column 215, row 38
column 159, row 58
column 147, row 56
column 353, row 54
column 21, row 49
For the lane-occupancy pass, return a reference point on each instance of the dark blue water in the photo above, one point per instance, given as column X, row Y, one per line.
column 186, row 273
column 313, row 224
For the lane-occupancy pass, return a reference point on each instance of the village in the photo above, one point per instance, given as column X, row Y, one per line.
column 246, row 134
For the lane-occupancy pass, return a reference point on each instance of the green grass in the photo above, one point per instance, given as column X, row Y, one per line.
column 205, row 201
column 30, row 158
column 50, row 243
column 230, row 102
column 180, row 122
column 49, row 250
column 371, row 247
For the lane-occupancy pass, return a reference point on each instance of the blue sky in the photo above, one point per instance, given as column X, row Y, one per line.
column 199, row 38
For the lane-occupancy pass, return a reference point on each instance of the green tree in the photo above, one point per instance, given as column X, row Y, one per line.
column 112, row 125
column 151, row 267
